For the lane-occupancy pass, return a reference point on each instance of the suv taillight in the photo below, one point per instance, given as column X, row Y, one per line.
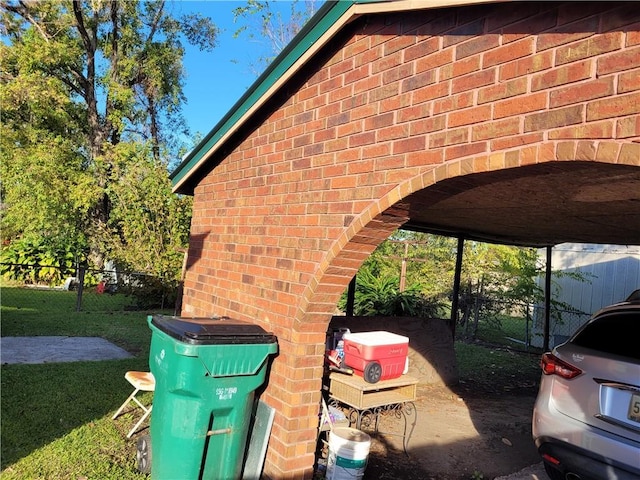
column 552, row 365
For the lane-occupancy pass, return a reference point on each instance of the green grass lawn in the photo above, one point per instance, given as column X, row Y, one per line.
column 494, row 362
column 56, row 418
column 497, row 370
column 504, row 330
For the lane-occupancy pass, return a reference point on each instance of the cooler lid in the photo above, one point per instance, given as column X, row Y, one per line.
column 376, row 338
column 212, row 331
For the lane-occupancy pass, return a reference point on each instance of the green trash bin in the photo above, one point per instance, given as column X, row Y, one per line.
column 207, row 371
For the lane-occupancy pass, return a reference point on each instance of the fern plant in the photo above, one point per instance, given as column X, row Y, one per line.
column 381, row 296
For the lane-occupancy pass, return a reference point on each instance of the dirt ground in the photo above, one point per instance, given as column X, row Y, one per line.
column 460, row 434
column 478, row 429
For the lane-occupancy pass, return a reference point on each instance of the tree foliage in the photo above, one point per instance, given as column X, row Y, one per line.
column 149, row 225
column 32, row 259
column 496, row 280
column 91, row 95
column 493, row 278
column 429, row 261
column 428, row 267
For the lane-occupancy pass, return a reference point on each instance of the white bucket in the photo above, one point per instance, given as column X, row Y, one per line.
column 348, row 454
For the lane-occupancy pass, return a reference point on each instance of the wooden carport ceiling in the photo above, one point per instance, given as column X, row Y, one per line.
column 538, row 205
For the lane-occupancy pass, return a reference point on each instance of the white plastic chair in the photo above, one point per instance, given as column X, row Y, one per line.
column 141, row 381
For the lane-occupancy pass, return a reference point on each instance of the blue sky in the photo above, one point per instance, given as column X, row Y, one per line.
column 217, row 79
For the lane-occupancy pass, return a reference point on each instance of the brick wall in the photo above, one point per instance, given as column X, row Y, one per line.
column 402, row 101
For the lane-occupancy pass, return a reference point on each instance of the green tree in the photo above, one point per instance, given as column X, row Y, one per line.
column 47, row 189
column 486, row 287
column 429, row 261
column 82, row 84
column 384, row 287
column 149, row 224
column 494, row 278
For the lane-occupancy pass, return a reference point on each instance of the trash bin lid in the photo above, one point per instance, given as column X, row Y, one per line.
column 212, row 331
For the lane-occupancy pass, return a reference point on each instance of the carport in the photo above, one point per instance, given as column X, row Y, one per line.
column 512, row 125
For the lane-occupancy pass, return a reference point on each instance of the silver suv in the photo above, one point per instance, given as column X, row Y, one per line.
column 586, row 420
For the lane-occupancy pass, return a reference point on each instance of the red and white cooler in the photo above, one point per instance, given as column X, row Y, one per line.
column 376, row 355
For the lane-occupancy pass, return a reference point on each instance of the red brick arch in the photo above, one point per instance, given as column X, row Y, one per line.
column 397, row 103
column 381, row 218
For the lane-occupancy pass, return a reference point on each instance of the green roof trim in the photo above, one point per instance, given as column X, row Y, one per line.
column 313, row 30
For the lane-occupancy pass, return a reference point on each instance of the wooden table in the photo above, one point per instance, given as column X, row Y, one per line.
column 367, row 401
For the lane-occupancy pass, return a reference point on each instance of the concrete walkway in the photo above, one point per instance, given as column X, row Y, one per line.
column 58, row 349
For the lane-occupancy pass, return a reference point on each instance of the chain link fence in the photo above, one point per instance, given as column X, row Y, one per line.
column 91, row 290
column 562, row 324
column 518, row 325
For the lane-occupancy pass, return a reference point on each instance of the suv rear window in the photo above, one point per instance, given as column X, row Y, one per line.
column 615, row 333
